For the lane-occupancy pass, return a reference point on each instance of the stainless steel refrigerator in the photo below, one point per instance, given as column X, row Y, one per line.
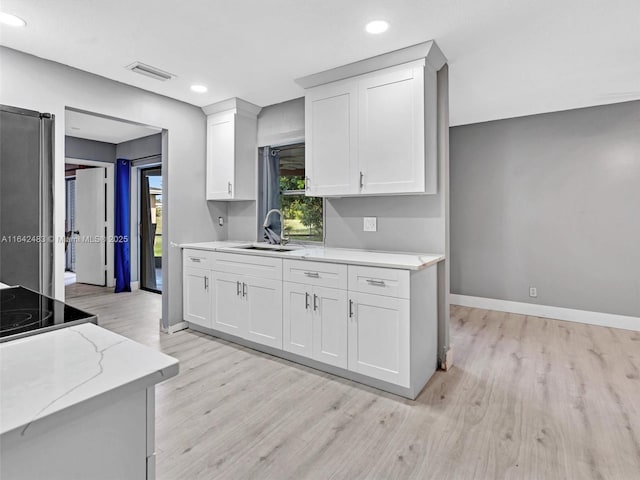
column 26, row 198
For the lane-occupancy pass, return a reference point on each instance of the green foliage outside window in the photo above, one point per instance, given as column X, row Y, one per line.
column 303, row 215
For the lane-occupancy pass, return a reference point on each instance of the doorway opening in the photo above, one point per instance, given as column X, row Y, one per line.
column 151, row 229
column 88, row 222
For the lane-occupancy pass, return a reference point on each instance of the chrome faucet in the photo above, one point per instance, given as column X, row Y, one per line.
column 266, row 223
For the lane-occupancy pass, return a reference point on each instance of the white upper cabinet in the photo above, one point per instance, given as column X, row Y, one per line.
column 331, row 150
column 391, row 131
column 371, row 126
column 231, row 150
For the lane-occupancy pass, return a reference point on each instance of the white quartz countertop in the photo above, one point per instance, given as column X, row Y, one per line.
column 3, row 285
column 51, row 372
column 408, row 261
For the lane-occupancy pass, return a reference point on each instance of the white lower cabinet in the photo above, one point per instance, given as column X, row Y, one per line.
column 315, row 323
column 196, row 304
column 379, row 323
column 227, row 304
column 330, row 326
column 379, row 344
column 262, row 308
column 297, row 319
column 248, row 307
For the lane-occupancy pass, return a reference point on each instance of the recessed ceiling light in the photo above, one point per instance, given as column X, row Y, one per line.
column 199, row 88
column 377, row 26
column 11, row 20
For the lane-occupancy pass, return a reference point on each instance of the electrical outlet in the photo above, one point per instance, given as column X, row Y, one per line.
column 221, row 221
column 370, row 224
column 533, row 292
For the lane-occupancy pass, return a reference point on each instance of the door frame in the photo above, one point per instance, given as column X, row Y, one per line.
column 137, row 169
column 110, row 169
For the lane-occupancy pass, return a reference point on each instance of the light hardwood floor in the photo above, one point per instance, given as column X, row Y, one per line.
column 528, row 398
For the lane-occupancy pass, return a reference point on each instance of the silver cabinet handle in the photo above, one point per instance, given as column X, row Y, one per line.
column 237, row 288
column 244, row 289
column 307, row 181
column 229, row 187
column 312, row 274
column 350, row 308
column 361, row 179
column 306, row 301
column 194, row 259
column 315, row 302
column 206, row 283
column 377, row 283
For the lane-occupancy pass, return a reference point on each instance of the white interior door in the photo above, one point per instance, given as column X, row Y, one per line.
column 91, row 225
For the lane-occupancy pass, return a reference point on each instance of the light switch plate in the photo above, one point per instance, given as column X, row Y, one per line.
column 370, row 224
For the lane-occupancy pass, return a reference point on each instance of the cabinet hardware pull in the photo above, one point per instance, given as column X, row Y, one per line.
column 194, row 259
column 312, row 274
column 315, row 302
column 361, row 180
column 350, row 308
column 229, row 187
column 244, row 289
column 206, row 283
column 307, row 181
column 306, row 301
column 237, row 288
column 377, row 283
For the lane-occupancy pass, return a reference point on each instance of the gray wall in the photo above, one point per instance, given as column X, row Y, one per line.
column 37, row 84
column 282, row 123
column 551, row 201
column 89, row 149
column 144, row 147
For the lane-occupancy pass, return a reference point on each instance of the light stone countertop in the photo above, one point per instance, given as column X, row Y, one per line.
column 408, row 261
column 53, row 372
column 4, row 285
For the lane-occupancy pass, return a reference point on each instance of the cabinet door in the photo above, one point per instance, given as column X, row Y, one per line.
column 220, row 156
column 379, row 337
column 391, row 130
column 228, row 309
column 196, row 298
column 331, row 162
column 297, row 319
column 330, row 326
column 263, row 299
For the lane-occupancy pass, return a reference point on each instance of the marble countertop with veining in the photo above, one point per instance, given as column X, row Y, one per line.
column 402, row 260
column 48, row 373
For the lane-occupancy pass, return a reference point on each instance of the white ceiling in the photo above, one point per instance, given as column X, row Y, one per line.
column 102, row 129
column 507, row 57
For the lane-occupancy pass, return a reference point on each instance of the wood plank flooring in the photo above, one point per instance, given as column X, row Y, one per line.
column 527, row 398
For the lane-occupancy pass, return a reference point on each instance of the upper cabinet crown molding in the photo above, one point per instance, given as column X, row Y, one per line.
column 235, row 103
column 427, row 50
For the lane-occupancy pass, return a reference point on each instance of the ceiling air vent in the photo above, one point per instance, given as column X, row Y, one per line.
column 150, row 71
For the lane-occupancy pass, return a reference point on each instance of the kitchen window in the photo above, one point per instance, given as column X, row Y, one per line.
column 283, row 187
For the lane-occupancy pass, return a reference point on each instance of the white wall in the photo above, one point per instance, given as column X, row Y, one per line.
column 33, row 83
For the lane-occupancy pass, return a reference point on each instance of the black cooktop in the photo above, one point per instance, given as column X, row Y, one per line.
column 25, row 312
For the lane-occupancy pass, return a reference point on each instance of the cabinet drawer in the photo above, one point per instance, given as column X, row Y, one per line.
column 315, row 273
column 379, row 281
column 197, row 258
column 254, row 265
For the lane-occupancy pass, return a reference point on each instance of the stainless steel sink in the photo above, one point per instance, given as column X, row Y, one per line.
column 266, row 247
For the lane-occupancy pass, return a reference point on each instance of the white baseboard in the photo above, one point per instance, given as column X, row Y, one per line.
column 135, row 286
column 174, row 328
column 546, row 311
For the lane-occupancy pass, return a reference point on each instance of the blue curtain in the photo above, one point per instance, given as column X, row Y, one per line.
column 122, row 226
